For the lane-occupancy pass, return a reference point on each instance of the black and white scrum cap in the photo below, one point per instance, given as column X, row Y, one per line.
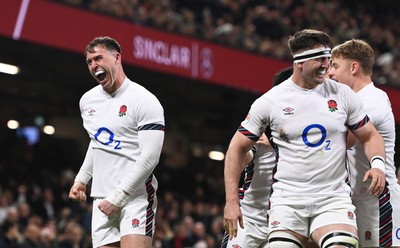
column 312, row 54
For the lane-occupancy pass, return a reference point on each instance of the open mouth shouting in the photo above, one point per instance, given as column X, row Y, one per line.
column 100, row 74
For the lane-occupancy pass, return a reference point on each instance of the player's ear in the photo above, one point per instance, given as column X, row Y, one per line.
column 117, row 57
column 354, row 67
column 299, row 65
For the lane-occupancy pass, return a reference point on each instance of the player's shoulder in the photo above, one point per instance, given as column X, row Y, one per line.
column 376, row 101
column 141, row 96
column 372, row 90
column 336, row 86
column 341, row 92
column 96, row 91
column 138, row 90
column 278, row 89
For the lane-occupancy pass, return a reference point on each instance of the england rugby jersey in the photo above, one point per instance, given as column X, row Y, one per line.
column 379, row 109
column 113, row 122
column 254, row 197
column 309, row 126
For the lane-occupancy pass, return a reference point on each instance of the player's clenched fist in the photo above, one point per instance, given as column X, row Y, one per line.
column 78, row 192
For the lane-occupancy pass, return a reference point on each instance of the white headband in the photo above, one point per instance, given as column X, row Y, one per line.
column 312, row 54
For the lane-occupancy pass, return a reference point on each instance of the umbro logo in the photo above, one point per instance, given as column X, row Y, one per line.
column 91, row 112
column 288, row 111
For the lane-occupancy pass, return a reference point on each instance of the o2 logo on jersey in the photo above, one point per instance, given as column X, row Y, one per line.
column 304, row 136
column 106, row 137
column 398, row 233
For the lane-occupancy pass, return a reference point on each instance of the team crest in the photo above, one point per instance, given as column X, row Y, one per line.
column 332, row 105
column 350, row 215
column 135, row 223
column 122, row 110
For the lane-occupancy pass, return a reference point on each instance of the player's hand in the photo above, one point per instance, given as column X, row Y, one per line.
column 107, row 208
column 263, row 140
column 378, row 181
column 232, row 215
column 78, row 192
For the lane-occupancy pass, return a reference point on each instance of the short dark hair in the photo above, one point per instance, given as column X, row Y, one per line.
column 308, row 39
column 282, row 75
column 103, row 41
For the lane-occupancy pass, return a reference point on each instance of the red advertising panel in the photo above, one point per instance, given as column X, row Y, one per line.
column 56, row 25
column 394, row 96
column 9, row 16
column 71, row 29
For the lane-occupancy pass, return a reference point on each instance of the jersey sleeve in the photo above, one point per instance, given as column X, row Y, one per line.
column 357, row 116
column 150, row 144
column 257, row 119
column 86, row 171
column 151, row 126
column 150, row 113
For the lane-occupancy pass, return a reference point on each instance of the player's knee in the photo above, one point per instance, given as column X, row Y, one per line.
column 339, row 239
column 280, row 239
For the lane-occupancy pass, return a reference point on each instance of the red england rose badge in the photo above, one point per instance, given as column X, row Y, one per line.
column 122, row 111
column 332, row 105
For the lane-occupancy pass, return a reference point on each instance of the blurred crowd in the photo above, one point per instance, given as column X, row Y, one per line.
column 35, row 211
column 263, row 27
column 39, row 214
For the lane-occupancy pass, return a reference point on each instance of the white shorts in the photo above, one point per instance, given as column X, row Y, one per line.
column 251, row 236
column 305, row 215
column 369, row 221
column 136, row 217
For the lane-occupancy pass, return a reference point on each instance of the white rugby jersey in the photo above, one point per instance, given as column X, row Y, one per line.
column 113, row 123
column 254, row 195
column 309, row 126
column 379, row 110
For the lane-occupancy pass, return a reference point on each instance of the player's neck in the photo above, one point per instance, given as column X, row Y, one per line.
column 361, row 83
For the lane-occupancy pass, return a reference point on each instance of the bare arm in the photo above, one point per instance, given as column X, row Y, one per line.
column 234, row 165
column 373, row 146
column 351, row 140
